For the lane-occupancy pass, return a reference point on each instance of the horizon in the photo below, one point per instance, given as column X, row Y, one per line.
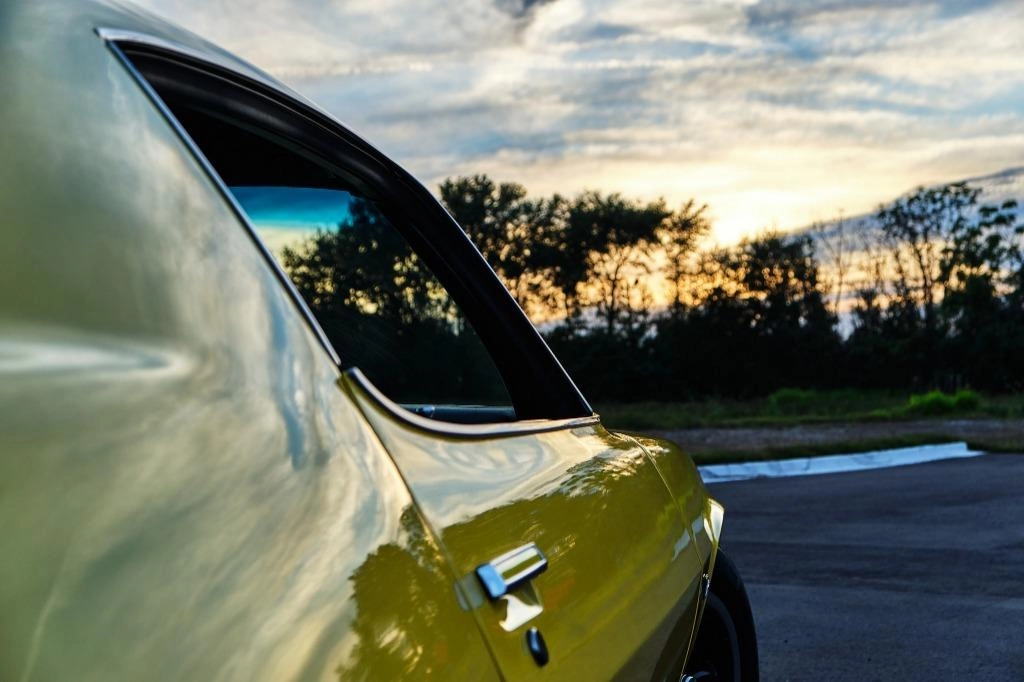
column 775, row 114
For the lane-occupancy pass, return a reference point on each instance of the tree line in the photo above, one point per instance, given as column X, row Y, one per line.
column 926, row 293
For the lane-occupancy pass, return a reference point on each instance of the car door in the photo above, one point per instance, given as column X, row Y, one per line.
column 563, row 541
column 619, row 589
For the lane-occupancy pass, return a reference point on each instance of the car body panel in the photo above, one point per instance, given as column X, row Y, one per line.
column 701, row 511
column 623, row 572
column 185, row 493
column 190, row 488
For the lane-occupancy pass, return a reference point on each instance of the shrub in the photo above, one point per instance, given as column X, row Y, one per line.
column 937, row 402
column 966, row 400
column 789, row 400
column 932, row 402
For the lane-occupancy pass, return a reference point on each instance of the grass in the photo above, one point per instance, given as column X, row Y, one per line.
column 791, row 407
column 927, row 420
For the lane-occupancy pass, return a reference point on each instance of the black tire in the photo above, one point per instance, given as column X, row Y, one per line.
column 726, row 646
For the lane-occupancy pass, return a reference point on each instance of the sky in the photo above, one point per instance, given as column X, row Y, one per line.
column 775, row 113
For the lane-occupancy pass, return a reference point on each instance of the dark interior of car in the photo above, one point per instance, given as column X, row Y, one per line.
column 250, row 139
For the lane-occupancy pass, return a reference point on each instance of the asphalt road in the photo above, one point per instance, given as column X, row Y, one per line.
column 909, row 573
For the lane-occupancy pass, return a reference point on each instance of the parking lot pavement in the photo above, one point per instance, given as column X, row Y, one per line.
column 909, row 573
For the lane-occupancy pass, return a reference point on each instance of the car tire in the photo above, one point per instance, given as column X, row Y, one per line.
column 726, row 646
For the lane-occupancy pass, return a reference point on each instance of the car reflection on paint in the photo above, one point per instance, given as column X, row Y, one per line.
column 345, row 454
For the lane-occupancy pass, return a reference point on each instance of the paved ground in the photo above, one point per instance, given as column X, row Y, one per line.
column 910, row 573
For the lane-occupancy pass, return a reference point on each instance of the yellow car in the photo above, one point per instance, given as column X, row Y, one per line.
column 266, row 413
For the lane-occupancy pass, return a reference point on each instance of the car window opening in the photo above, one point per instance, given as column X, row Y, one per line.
column 378, row 303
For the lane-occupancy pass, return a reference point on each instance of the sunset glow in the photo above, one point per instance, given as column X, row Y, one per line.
column 774, row 113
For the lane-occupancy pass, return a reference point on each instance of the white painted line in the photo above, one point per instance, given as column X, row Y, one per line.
column 831, row 464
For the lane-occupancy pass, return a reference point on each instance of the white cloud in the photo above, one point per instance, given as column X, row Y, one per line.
column 773, row 111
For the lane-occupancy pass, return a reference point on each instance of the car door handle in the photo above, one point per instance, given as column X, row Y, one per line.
column 502, row 574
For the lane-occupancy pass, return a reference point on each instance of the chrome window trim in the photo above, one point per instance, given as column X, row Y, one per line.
column 214, row 57
column 110, row 37
column 118, row 35
column 355, row 380
column 222, row 60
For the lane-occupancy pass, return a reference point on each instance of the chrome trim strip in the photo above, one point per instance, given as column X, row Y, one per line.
column 357, row 382
column 118, row 35
column 222, row 60
column 215, row 57
column 109, row 36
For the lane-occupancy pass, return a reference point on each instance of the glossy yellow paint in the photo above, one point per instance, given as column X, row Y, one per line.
column 184, row 491
column 681, row 477
column 190, row 488
column 623, row 567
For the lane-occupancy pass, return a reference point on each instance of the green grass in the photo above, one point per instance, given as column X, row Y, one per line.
column 790, row 407
column 929, row 412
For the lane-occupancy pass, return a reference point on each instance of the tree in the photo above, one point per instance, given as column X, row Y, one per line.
column 833, row 242
column 387, row 314
column 761, row 324
column 678, row 236
column 984, row 329
column 517, row 236
column 977, row 259
column 919, row 229
column 606, row 258
column 949, row 259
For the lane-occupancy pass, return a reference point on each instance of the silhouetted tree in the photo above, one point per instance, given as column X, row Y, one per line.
column 606, row 262
column 762, row 323
column 834, row 244
column 948, row 260
column 935, row 296
column 977, row 270
column 519, row 237
column 678, row 236
column 919, row 229
column 385, row 313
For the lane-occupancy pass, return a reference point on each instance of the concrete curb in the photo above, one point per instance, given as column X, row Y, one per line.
column 832, row 464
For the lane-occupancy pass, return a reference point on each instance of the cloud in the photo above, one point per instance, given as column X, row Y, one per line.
column 520, row 8
column 775, row 111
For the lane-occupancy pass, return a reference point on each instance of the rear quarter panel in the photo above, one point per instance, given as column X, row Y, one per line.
column 185, row 493
column 701, row 512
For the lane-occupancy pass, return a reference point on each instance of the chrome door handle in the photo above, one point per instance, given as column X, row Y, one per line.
column 502, row 574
